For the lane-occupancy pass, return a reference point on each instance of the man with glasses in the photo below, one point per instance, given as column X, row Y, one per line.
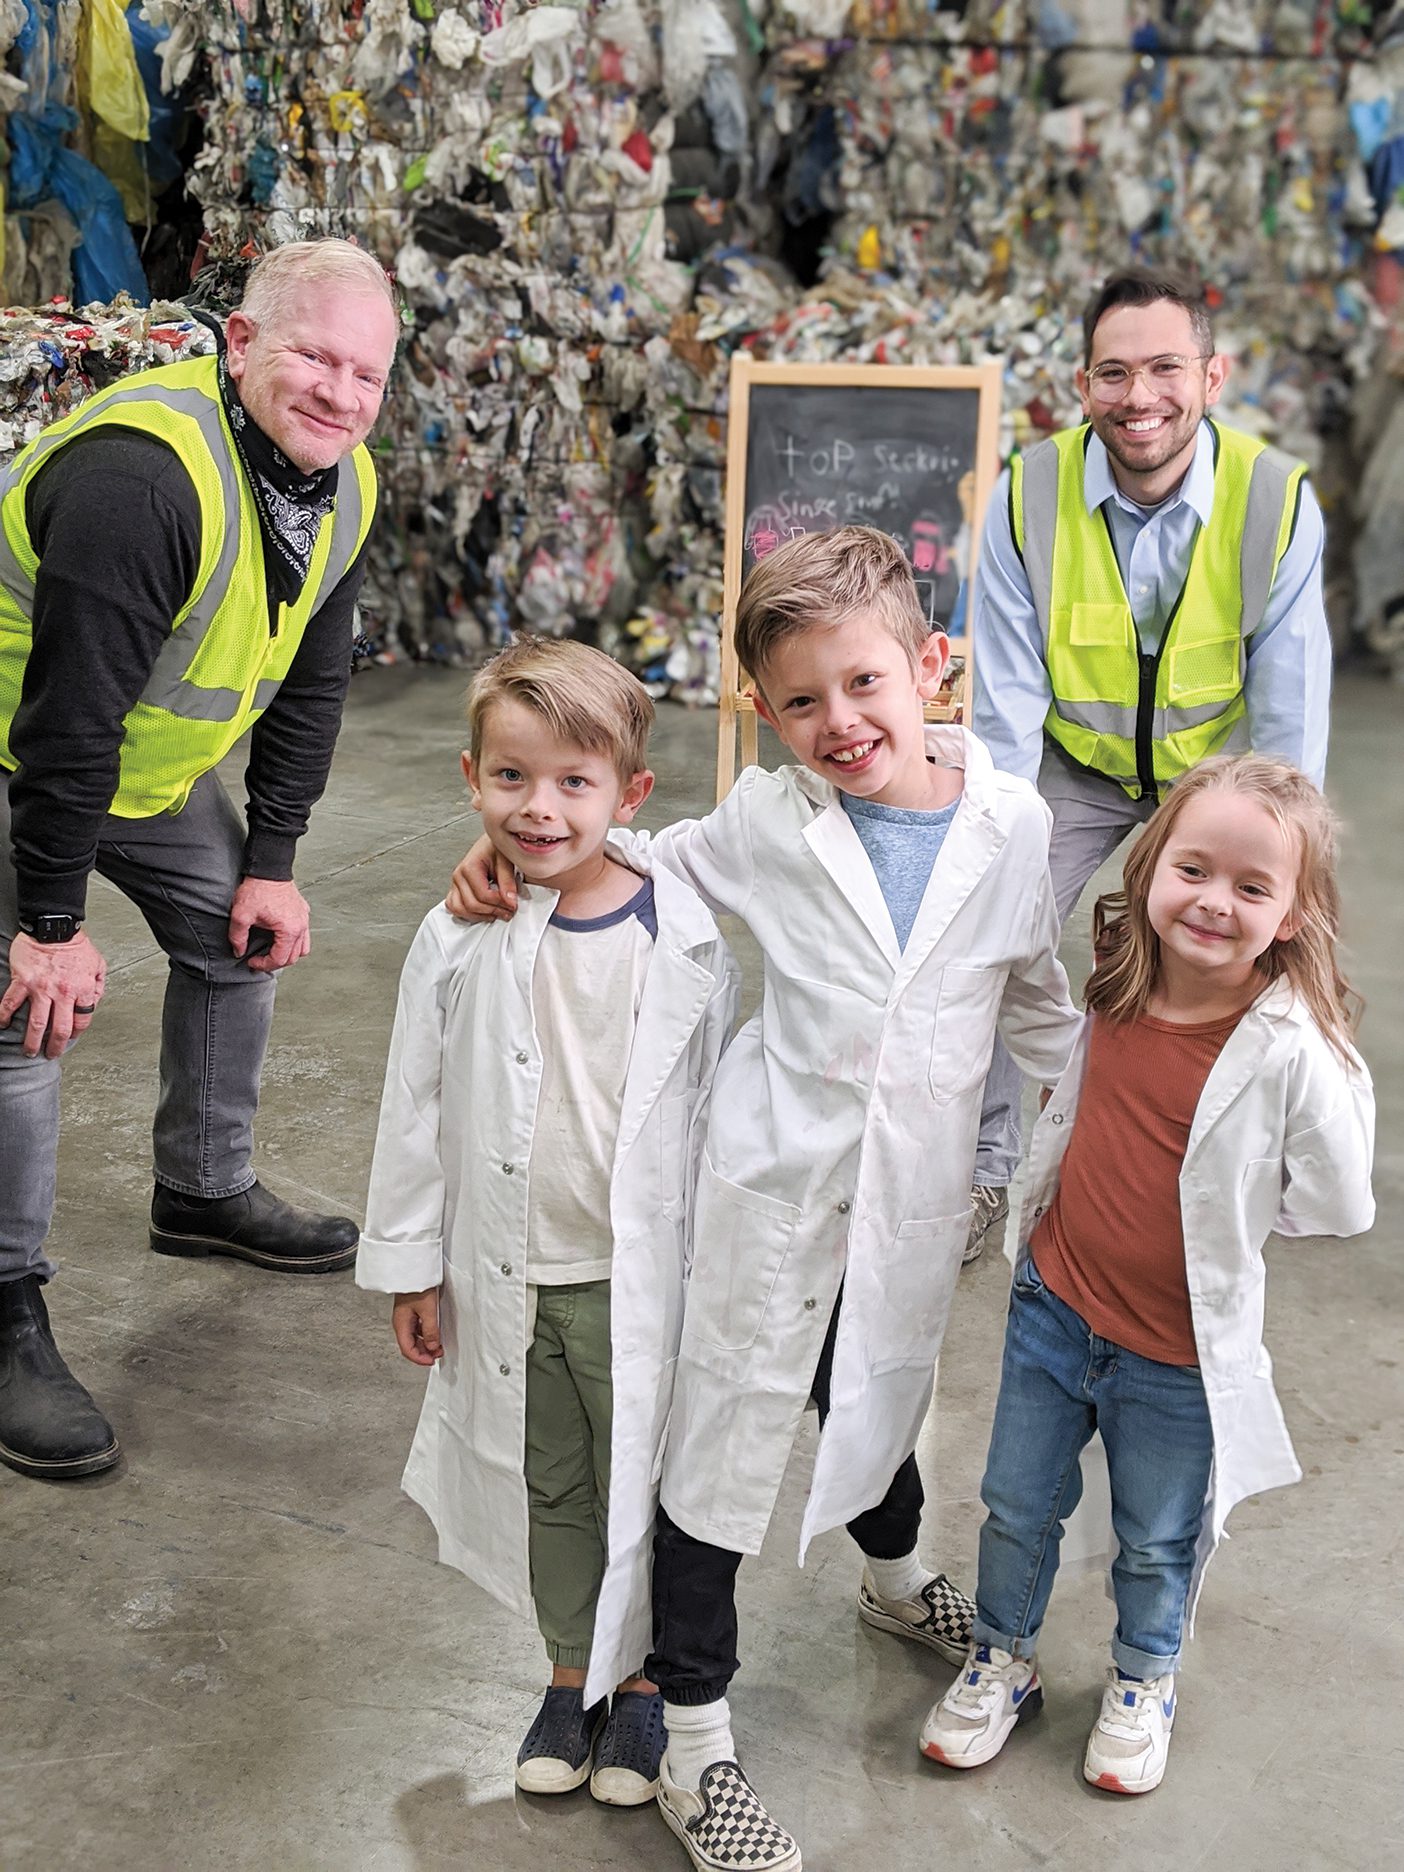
column 1148, row 594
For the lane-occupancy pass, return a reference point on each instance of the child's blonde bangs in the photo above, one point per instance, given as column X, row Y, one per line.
column 585, row 698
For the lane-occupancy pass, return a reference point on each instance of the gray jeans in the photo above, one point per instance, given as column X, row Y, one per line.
column 181, row 871
column 1091, row 817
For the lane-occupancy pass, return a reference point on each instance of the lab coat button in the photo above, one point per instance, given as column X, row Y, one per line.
column 507, row 1169
column 506, row 1370
column 1057, row 1117
column 1039, row 1210
column 842, row 1208
column 522, row 1058
column 810, row 1305
column 506, row 1267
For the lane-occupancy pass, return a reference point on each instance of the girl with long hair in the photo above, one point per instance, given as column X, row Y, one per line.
column 1214, row 1096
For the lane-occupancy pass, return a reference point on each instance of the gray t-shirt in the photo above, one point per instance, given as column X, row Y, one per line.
column 901, row 844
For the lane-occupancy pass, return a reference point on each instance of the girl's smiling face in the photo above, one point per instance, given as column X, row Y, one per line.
column 1223, row 890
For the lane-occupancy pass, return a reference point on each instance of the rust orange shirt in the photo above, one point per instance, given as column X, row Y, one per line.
column 1112, row 1245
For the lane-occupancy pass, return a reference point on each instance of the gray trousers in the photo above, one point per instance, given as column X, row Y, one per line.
column 181, row 871
column 1091, row 817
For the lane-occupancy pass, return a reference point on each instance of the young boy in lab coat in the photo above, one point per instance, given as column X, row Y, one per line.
column 538, row 1140
column 898, row 888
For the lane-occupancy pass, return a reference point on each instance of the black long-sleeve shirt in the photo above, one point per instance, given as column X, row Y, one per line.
column 115, row 520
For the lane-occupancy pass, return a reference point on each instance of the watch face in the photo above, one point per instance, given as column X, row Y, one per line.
column 54, row 929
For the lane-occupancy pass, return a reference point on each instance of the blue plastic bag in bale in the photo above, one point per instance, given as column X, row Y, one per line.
column 105, row 262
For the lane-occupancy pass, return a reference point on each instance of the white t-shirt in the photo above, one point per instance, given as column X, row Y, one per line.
column 586, row 992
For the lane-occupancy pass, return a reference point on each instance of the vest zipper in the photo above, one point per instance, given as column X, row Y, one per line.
column 1145, row 717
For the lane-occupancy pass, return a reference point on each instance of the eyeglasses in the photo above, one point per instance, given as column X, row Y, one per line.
column 1110, row 382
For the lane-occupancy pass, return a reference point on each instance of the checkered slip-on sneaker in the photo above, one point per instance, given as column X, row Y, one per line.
column 939, row 1615
column 629, row 1750
column 723, row 1824
column 555, row 1756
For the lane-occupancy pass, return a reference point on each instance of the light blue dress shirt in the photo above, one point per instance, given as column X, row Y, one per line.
column 1287, row 687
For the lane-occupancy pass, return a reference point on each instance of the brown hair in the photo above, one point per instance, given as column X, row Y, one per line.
column 1128, row 949
column 583, row 696
column 819, row 579
column 1136, row 287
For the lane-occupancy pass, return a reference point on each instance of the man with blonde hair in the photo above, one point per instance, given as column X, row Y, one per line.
column 179, row 563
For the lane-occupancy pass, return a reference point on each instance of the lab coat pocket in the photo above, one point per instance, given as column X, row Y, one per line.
column 740, row 1240
column 918, row 1280
column 1261, row 1197
column 962, row 1039
column 674, row 1169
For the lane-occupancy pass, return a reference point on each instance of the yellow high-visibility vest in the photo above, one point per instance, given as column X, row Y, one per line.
column 225, row 657
column 1143, row 719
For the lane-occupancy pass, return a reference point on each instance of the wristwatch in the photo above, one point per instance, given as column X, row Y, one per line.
column 51, row 929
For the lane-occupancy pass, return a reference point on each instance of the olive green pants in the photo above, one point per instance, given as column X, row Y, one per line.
column 569, row 1411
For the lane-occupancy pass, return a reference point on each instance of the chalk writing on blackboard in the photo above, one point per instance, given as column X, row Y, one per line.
column 823, row 456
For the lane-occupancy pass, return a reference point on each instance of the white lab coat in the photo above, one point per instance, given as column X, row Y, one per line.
column 447, row 1203
column 842, row 1130
column 1282, row 1140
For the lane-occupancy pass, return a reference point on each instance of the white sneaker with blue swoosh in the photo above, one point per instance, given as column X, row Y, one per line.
column 1130, row 1743
column 973, row 1720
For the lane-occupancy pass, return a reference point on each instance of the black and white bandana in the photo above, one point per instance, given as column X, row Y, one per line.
column 291, row 503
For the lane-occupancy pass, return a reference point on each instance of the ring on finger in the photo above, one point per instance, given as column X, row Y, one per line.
column 85, row 1010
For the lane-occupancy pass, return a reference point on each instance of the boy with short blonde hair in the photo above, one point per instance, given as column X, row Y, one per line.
column 543, row 1107
column 898, row 889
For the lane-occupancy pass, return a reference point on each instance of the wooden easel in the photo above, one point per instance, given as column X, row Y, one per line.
column 737, row 704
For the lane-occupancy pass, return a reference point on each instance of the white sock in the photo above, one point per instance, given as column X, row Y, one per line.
column 898, row 1579
column 698, row 1735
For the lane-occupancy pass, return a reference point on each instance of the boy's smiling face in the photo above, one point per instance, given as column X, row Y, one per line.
column 846, row 699
column 547, row 805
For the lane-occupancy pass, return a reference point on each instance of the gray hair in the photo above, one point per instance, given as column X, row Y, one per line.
column 275, row 278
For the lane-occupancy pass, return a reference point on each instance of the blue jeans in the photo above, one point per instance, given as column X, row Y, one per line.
column 1059, row 1383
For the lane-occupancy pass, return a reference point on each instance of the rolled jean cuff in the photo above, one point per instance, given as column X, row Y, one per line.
column 1142, row 1664
column 981, row 1633
column 245, row 1182
column 568, row 1656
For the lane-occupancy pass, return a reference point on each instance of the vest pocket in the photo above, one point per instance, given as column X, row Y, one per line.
column 1208, row 671
column 740, row 1241
column 1096, row 626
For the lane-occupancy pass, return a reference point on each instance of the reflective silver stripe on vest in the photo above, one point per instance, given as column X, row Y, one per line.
column 1111, row 718
column 1257, row 558
column 1040, row 525
column 346, row 530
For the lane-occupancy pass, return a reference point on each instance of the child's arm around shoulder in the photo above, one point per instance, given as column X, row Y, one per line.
column 1328, row 1151
column 402, row 1244
column 714, row 854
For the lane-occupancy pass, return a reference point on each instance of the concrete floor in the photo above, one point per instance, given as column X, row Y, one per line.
column 236, row 1649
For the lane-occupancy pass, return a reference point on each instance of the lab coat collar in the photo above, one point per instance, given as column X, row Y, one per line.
column 1242, row 1058
column 1099, row 484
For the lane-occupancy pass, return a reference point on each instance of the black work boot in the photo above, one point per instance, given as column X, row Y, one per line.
column 49, row 1426
column 253, row 1226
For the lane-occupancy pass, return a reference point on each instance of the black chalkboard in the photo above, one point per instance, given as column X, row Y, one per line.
column 911, row 449
column 820, row 456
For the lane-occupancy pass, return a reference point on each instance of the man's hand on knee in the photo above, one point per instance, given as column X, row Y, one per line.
column 62, row 982
column 278, row 907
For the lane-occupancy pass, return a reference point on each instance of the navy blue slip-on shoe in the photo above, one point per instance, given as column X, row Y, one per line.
column 555, row 1757
column 630, row 1749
